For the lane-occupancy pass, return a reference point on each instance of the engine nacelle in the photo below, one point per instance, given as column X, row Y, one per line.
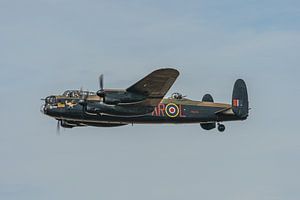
column 208, row 126
column 103, row 108
column 116, row 97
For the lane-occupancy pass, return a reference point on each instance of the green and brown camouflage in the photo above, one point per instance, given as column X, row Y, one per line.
column 143, row 103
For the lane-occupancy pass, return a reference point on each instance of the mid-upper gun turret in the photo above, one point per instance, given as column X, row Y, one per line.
column 178, row 96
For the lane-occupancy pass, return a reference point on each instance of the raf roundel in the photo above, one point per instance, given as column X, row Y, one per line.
column 172, row 110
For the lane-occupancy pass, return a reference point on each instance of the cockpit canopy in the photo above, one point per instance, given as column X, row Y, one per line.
column 77, row 93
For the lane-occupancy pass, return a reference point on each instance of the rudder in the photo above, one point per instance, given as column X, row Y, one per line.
column 240, row 103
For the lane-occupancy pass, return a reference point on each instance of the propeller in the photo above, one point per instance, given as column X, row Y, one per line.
column 101, row 82
column 101, row 92
column 83, row 100
column 58, row 127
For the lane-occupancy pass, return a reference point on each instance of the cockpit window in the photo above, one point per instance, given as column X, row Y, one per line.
column 66, row 93
column 77, row 93
column 72, row 93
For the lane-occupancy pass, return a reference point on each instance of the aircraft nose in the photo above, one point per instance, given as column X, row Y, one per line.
column 50, row 100
column 43, row 109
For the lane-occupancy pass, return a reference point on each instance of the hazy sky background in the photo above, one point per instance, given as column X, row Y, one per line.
column 49, row 46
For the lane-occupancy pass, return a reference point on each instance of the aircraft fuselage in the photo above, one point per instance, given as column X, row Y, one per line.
column 168, row 111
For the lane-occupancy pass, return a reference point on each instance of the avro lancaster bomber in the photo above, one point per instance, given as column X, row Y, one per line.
column 144, row 103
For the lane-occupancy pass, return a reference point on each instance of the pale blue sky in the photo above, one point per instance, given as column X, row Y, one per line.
column 49, row 46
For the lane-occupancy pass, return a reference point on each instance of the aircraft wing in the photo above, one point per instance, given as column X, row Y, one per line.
column 155, row 85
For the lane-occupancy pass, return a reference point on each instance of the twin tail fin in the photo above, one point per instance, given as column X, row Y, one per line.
column 240, row 103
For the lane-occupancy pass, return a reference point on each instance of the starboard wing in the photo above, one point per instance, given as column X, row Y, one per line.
column 155, row 85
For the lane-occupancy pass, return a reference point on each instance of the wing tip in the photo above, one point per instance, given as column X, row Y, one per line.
column 168, row 70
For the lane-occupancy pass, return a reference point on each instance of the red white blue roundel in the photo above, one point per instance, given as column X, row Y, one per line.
column 172, row 110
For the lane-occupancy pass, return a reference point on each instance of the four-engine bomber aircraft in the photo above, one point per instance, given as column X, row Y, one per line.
column 144, row 102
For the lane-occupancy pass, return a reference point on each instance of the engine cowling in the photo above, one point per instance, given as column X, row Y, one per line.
column 103, row 108
column 208, row 126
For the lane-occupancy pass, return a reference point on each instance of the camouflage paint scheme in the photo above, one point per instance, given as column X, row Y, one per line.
column 149, row 107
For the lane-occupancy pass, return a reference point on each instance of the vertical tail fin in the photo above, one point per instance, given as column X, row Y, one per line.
column 240, row 103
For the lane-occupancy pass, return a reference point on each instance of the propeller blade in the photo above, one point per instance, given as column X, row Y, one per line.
column 101, row 82
column 101, row 92
column 58, row 127
column 83, row 100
